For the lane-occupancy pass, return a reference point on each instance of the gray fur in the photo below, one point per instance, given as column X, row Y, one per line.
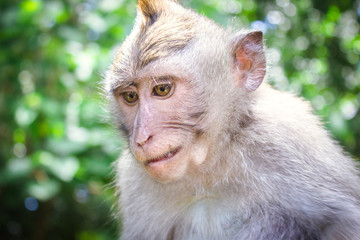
column 274, row 173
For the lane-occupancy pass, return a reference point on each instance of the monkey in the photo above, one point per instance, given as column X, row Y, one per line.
column 213, row 151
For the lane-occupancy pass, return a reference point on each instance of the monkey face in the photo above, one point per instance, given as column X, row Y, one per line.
column 161, row 118
column 172, row 78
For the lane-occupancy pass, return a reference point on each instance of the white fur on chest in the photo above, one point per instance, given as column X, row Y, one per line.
column 207, row 218
column 196, row 218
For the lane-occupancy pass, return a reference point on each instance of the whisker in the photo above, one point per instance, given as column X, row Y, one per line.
column 153, row 78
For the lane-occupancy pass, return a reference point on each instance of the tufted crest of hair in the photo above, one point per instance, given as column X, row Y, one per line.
column 150, row 8
column 162, row 27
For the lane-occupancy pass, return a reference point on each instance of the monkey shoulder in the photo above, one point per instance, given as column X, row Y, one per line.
column 288, row 135
column 301, row 163
column 274, row 106
column 288, row 123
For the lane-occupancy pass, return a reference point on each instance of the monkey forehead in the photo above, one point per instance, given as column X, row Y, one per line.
column 150, row 42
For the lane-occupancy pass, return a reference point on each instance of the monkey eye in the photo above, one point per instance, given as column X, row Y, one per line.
column 130, row 97
column 162, row 89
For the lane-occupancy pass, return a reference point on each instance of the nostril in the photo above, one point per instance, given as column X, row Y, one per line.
column 141, row 143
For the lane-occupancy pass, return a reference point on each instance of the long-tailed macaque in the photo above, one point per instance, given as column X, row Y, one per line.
column 213, row 151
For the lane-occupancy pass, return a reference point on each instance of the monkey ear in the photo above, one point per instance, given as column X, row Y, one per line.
column 150, row 9
column 250, row 64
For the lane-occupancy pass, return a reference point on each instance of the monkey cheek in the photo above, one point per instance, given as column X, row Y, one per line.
column 199, row 150
column 199, row 154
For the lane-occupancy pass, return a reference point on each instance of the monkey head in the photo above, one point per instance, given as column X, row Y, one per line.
column 174, row 83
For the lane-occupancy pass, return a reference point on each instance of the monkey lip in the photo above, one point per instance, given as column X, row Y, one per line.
column 162, row 159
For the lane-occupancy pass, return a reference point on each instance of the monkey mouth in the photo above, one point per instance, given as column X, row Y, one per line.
column 163, row 158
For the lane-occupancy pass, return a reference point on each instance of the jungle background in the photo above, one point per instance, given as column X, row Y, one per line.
column 56, row 143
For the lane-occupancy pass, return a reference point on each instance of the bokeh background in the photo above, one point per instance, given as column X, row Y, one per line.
column 56, row 143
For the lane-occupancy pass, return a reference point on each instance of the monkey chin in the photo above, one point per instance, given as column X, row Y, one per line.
column 170, row 167
column 175, row 164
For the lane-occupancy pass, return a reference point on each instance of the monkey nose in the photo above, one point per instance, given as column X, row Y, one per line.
column 142, row 141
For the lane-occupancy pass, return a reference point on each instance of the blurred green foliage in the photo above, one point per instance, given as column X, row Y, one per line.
column 56, row 144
